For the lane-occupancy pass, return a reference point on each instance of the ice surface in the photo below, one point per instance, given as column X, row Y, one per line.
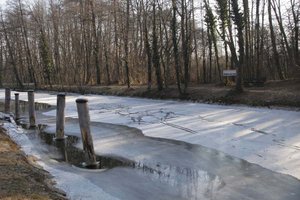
column 269, row 138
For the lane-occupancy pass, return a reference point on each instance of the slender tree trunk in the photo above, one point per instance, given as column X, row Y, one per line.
column 210, row 54
column 262, row 54
column 161, row 54
column 195, row 43
column 126, row 49
column 155, row 56
column 234, row 59
column 238, row 19
column 56, row 42
column 247, row 37
column 296, row 19
column 107, row 65
column 116, row 38
column 165, row 48
column 147, row 49
column 274, row 46
column 184, row 40
column 95, row 44
column 257, row 43
column 1, row 62
column 175, row 45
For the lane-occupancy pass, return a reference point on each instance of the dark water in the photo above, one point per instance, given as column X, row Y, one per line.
column 24, row 106
column 74, row 156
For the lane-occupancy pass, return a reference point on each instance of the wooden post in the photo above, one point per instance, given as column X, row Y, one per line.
column 60, row 117
column 17, row 107
column 87, row 140
column 7, row 100
column 31, row 108
column 61, row 145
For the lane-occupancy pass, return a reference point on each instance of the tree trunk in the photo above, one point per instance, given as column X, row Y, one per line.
column 274, row 46
column 238, row 19
column 155, row 58
column 175, row 45
column 257, row 43
column 1, row 62
column 184, row 43
column 147, row 49
column 95, row 44
column 107, row 64
column 126, row 49
column 195, row 44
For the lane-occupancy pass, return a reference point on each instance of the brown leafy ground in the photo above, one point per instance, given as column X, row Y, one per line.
column 20, row 178
column 274, row 93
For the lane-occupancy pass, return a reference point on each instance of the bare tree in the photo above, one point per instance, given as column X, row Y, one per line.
column 175, row 44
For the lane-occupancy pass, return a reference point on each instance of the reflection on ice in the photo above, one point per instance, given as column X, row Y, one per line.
column 74, row 156
column 190, row 183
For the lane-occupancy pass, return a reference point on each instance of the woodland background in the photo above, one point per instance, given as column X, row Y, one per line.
column 157, row 43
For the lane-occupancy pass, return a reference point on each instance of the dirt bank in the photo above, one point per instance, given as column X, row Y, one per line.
column 19, row 178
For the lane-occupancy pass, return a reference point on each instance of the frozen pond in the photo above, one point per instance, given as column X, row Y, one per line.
column 154, row 168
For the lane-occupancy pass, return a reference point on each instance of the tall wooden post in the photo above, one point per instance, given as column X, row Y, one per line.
column 7, row 100
column 17, row 107
column 87, row 140
column 31, row 108
column 60, row 117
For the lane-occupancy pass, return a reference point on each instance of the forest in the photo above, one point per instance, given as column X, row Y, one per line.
column 157, row 43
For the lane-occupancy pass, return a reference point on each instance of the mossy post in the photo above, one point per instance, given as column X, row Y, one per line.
column 60, row 116
column 87, row 140
column 31, row 108
column 7, row 100
column 17, row 106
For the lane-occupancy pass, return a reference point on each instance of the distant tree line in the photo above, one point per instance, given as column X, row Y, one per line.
column 154, row 42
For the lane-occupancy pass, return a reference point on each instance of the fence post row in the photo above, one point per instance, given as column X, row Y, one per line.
column 17, row 106
column 60, row 116
column 87, row 140
column 83, row 116
column 7, row 100
column 31, row 108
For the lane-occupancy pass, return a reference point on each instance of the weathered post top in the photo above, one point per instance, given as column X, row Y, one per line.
column 61, row 94
column 82, row 100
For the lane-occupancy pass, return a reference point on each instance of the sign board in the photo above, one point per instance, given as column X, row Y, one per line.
column 231, row 72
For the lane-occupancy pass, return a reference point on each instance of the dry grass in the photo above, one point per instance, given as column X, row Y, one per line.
column 18, row 178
